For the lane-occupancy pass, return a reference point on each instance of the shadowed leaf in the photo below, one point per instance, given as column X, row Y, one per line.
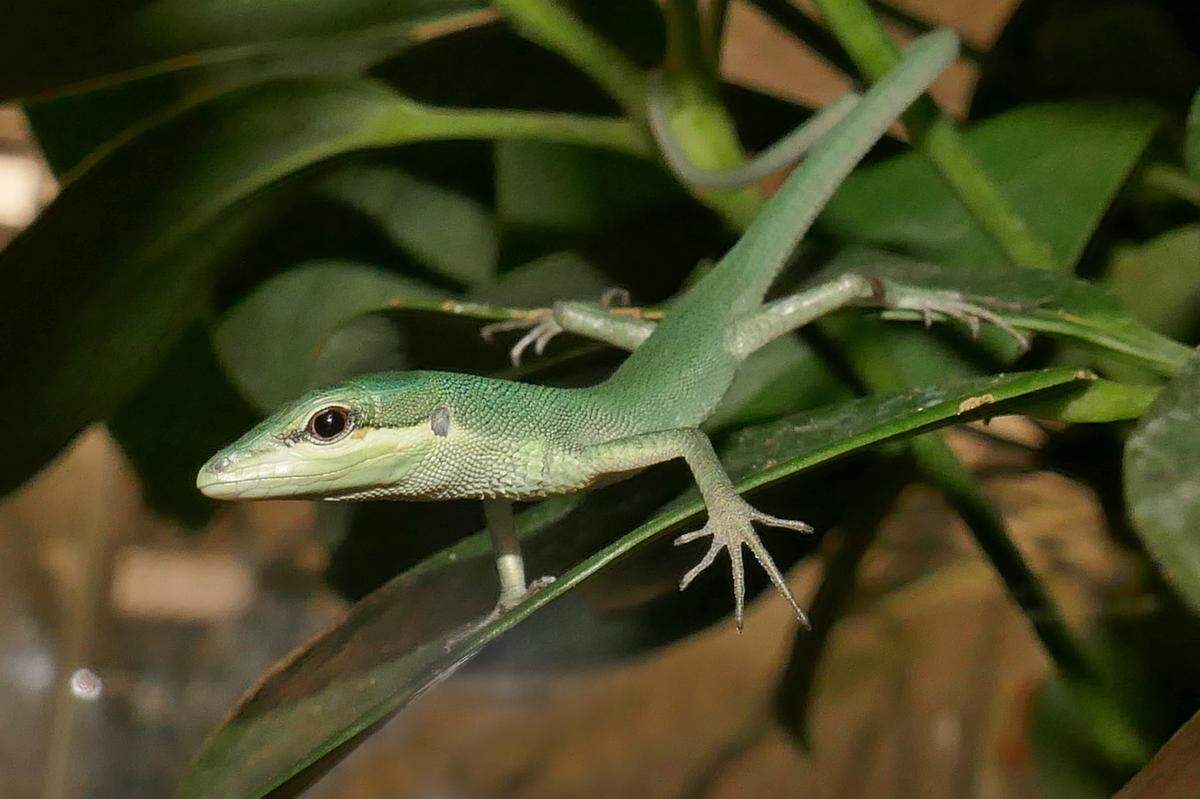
column 175, row 421
column 1058, row 164
column 270, row 341
column 446, row 231
column 1162, row 482
column 107, row 43
column 1159, row 281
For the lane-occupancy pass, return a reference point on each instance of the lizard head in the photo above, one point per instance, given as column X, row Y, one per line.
column 341, row 441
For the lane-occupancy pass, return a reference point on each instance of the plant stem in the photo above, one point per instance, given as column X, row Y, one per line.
column 685, row 41
column 917, row 24
column 1173, row 180
column 408, row 122
column 699, row 120
column 935, row 135
column 553, row 26
column 714, row 32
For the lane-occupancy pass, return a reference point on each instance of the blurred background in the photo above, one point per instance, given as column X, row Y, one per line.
column 126, row 635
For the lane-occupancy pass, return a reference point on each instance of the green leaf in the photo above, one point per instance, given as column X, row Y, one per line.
column 74, row 130
column 1159, row 281
column 53, row 46
column 396, row 643
column 1033, row 299
column 448, row 232
column 1162, row 482
column 1102, row 401
column 270, row 342
column 1080, row 750
column 1058, row 164
column 104, row 282
column 563, row 189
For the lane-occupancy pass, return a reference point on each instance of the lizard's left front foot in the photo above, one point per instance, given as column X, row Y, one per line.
column 730, row 523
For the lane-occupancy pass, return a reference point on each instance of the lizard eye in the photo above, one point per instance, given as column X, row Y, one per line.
column 328, row 424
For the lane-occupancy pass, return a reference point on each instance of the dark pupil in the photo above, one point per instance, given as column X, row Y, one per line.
column 329, row 423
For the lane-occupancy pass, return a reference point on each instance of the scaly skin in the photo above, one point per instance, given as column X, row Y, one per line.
column 436, row 435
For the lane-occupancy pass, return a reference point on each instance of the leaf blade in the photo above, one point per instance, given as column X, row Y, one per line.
column 1058, row 164
column 1162, row 482
column 104, row 44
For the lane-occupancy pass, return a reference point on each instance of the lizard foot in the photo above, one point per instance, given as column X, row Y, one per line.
column 731, row 525
column 937, row 306
column 503, row 605
column 541, row 326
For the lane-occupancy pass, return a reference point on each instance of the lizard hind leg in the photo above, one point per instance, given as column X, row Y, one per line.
column 730, row 518
column 730, row 525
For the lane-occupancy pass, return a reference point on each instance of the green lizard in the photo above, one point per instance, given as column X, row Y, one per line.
column 427, row 435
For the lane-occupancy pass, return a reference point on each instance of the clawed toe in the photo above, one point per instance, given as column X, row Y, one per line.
column 786, row 524
column 539, row 336
column 730, row 531
column 540, row 328
column 935, row 306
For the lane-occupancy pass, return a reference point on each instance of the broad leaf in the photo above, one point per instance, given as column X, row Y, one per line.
column 397, row 642
column 447, row 232
column 1159, row 281
column 74, row 130
column 51, row 46
column 271, row 340
column 563, row 189
column 1032, row 299
column 1162, row 482
column 1058, row 164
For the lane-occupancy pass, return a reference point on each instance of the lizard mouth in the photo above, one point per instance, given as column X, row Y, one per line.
column 258, row 475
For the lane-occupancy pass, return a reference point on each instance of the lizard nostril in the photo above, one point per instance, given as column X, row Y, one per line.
column 218, row 465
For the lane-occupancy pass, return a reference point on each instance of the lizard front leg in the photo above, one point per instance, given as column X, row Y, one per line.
column 730, row 518
column 510, row 566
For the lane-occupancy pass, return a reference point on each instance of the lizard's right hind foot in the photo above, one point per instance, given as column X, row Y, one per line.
column 935, row 305
column 731, row 525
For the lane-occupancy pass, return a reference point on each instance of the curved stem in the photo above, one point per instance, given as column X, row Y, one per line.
column 935, row 135
column 554, row 27
column 714, row 32
column 408, row 122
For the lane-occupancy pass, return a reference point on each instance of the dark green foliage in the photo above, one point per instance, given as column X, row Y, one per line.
column 247, row 213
